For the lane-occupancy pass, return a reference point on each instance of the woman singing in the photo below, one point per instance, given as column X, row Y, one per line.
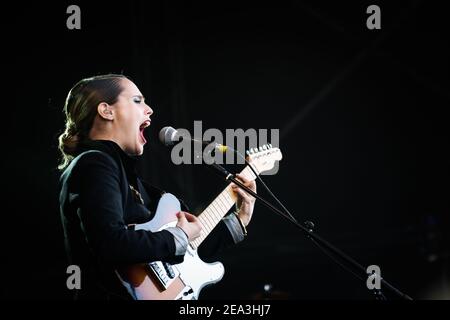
column 102, row 197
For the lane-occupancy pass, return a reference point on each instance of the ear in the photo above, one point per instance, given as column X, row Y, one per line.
column 105, row 111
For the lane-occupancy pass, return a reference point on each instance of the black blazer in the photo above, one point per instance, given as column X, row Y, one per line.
column 97, row 205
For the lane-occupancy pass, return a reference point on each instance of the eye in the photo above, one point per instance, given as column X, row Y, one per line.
column 137, row 100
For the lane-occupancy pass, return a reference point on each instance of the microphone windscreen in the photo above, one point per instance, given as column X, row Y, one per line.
column 167, row 136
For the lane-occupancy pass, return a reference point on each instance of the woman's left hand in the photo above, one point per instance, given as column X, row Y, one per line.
column 245, row 203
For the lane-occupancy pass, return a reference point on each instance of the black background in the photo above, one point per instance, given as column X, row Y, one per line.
column 361, row 113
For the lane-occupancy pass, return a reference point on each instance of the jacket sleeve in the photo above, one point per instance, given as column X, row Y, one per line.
column 227, row 233
column 100, row 210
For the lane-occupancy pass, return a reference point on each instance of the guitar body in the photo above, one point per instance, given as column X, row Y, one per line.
column 162, row 281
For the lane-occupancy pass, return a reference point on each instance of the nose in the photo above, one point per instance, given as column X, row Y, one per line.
column 148, row 110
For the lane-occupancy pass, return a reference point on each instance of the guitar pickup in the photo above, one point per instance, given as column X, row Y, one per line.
column 164, row 272
column 169, row 270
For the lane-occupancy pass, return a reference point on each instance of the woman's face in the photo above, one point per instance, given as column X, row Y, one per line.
column 131, row 117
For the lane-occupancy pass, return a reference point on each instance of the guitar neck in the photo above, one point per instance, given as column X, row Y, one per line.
column 212, row 215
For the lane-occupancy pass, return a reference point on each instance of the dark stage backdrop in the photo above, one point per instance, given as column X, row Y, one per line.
column 361, row 114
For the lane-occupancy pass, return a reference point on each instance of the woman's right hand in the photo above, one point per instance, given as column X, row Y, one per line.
column 189, row 224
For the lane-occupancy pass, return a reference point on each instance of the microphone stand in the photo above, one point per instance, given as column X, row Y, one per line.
column 316, row 239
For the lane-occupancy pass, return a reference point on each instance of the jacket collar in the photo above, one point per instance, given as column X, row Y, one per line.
column 112, row 149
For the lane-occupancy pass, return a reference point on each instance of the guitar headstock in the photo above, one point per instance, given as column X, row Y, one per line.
column 265, row 158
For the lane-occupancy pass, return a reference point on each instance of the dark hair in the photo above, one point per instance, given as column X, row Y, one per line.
column 80, row 110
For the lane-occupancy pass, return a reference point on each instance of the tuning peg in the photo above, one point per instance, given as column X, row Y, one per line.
column 260, row 149
column 247, row 152
column 264, row 147
column 270, row 146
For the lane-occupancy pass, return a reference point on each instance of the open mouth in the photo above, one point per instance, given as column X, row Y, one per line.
column 142, row 127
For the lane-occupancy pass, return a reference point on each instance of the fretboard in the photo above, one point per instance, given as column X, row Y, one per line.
column 212, row 215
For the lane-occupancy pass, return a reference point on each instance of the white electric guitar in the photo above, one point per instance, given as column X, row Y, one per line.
column 162, row 281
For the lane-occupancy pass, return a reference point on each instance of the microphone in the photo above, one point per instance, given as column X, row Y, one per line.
column 169, row 136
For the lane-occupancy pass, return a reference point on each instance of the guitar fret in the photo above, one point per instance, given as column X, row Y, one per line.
column 214, row 217
column 218, row 208
column 215, row 207
column 223, row 204
column 219, row 204
column 213, row 211
column 206, row 221
column 211, row 216
column 227, row 197
column 223, row 207
column 206, row 226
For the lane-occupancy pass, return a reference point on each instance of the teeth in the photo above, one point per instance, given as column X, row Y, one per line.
column 145, row 124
